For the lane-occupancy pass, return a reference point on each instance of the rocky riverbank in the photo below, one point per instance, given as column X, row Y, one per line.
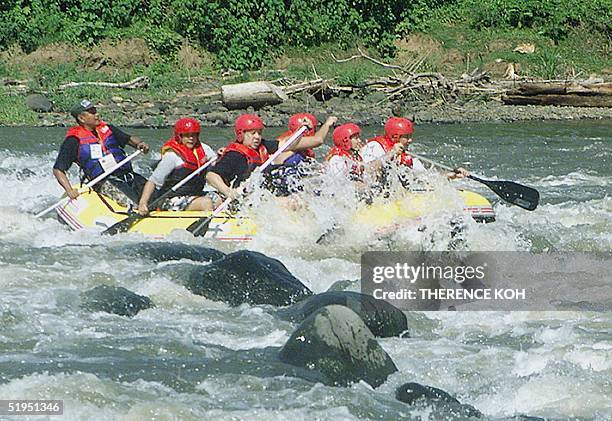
column 370, row 109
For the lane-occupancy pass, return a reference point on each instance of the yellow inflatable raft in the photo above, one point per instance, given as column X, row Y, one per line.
column 95, row 212
column 417, row 204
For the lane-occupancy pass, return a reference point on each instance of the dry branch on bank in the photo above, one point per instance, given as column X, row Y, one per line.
column 139, row 82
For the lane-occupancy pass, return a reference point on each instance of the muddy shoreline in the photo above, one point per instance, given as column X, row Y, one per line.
column 366, row 110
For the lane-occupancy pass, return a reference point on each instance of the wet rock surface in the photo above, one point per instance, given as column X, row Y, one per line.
column 247, row 277
column 337, row 344
column 160, row 252
column 383, row 319
column 115, row 300
column 441, row 403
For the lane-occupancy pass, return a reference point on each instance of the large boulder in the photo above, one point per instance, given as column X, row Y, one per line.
column 442, row 403
column 39, row 103
column 383, row 319
column 160, row 252
column 116, row 300
column 247, row 277
column 337, row 344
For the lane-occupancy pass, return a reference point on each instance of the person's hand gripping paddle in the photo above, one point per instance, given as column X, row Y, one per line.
column 92, row 182
column 202, row 227
column 127, row 223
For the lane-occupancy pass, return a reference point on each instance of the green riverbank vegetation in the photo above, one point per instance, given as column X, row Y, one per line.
column 179, row 44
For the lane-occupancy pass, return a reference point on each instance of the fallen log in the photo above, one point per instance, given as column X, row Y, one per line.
column 564, row 94
column 561, row 100
column 562, row 89
column 139, row 82
column 251, row 94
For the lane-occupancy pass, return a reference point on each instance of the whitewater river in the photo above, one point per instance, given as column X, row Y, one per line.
column 192, row 358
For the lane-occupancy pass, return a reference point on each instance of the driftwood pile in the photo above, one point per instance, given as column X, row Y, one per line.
column 403, row 82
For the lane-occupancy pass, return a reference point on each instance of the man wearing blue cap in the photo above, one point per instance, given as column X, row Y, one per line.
column 96, row 147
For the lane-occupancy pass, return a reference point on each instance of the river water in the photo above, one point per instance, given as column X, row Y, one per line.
column 191, row 358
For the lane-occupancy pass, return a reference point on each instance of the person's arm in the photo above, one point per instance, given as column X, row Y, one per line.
column 459, row 172
column 217, row 182
column 229, row 169
column 126, row 139
column 62, row 179
column 139, row 144
column 147, row 192
column 68, row 154
column 210, row 153
column 307, row 142
column 168, row 163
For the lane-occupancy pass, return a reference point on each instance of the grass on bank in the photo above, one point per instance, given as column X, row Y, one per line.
column 448, row 48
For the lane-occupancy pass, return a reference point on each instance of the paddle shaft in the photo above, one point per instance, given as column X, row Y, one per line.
column 182, row 182
column 294, row 137
column 92, row 182
column 515, row 193
column 126, row 223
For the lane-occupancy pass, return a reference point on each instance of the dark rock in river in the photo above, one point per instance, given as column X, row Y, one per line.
column 161, row 252
column 443, row 404
column 116, row 300
column 247, row 277
column 337, row 344
column 382, row 318
column 39, row 103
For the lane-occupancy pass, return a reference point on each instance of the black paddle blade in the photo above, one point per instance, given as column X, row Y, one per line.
column 515, row 193
column 123, row 226
column 200, row 227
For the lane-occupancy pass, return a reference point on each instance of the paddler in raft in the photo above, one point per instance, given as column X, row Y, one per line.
column 96, row 147
column 318, row 136
column 181, row 155
column 245, row 153
column 284, row 177
column 344, row 158
column 391, row 147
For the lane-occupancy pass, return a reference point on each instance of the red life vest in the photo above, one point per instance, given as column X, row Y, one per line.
column 356, row 167
column 254, row 157
column 387, row 145
column 90, row 165
column 192, row 158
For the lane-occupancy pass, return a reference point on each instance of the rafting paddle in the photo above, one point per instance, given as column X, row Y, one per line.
column 91, row 183
column 514, row 193
column 202, row 227
column 127, row 223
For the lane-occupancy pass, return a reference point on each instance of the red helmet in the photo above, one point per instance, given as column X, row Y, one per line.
column 342, row 135
column 247, row 122
column 296, row 121
column 398, row 126
column 186, row 125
